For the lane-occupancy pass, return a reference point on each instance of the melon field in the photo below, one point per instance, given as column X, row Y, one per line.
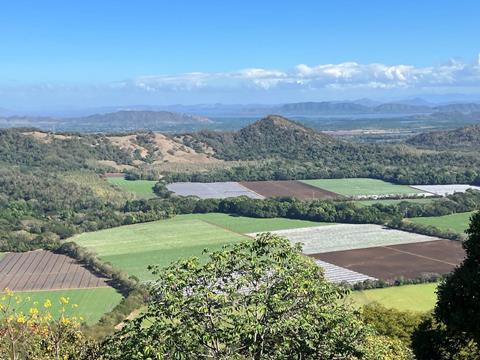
column 362, row 186
column 142, row 189
column 455, row 222
column 420, row 297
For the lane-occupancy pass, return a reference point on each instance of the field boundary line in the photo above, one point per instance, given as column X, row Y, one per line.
column 224, row 228
column 63, row 289
column 246, row 188
column 418, row 255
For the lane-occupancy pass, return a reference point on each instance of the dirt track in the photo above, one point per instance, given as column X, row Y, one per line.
column 289, row 188
column 407, row 260
column 44, row 270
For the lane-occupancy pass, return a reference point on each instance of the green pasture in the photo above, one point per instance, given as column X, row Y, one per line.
column 455, row 222
column 420, row 297
column 245, row 225
column 141, row 188
column 92, row 303
column 361, row 186
column 133, row 247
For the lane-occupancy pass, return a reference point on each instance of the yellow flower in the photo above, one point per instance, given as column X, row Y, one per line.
column 21, row 319
column 33, row 311
column 8, row 292
column 64, row 300
column 47, row 304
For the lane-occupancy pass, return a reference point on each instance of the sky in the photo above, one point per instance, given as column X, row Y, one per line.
column 98, row 53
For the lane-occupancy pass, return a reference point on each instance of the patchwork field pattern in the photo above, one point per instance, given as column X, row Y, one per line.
column 454, row 222
column 362, row 186
column 289, row 188
column 405, row 260
column 44, row 270
column 444, row 190
column 217, row 190
column 347, row 237
column 133, row 247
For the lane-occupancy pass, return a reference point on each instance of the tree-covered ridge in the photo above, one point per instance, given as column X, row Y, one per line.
column 466, row 137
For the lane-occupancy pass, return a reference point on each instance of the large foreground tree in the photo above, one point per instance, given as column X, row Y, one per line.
column 260, row 299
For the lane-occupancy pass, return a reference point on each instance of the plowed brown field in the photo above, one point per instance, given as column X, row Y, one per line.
column 289, row 188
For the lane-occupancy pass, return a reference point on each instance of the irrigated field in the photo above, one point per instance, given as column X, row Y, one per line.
column 405, row 260
column 217, row 190
column 44, row 270
column 455, row 222
column 244, row 225
column 392, row 201
column 348, row 236
column 289, row 188
column 361, row 186
column 92, row 303
column 134, row 247
column 143, row 189
column 420, row 297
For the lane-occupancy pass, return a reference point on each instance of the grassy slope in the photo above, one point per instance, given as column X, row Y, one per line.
column 141, row 188
column 393, row 201
column 134, row 247
column 244, row 225
column 408, row 297
column 92, row 303
column 456, row 222
column 361, row 186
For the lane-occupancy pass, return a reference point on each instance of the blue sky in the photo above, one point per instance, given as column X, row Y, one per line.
column 92, row 53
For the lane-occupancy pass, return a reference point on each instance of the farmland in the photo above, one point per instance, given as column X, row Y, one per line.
column 92, row 303
column 44, row 270
column 348, row 236
column 243, row 225
column 455, row 222
column 361, row 186
column 295, row 189
column 134, row 247
column 420, row 297
column 142, row 189
column 393, row 201
column 217, row 190
column 405, row 260
column 444, row 190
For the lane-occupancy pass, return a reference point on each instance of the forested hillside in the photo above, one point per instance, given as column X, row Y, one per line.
column 466, row 137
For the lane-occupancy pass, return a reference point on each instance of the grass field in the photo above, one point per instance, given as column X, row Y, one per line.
column 92, row 303
column 243, row 225
column 393, row 201
column 420, row 297
column 455, row 222
column 142, row 189
column 2, row 255
column 134, row 247
column 361, row 186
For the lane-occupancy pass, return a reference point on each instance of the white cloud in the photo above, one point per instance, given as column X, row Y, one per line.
column 324, row 76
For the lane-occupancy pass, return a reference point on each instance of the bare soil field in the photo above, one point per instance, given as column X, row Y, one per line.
column 289, row 188
column 406, row 260
column 44, row 270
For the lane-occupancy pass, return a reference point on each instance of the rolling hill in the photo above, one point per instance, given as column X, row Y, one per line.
column 465, row 137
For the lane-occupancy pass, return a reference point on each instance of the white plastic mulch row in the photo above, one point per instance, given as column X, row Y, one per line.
column 444, row 190
column 337, row 274
column 217, row 190
column 340, row 237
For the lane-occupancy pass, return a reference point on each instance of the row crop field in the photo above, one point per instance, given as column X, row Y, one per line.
column 362, row 187
column 419, row 298
column 218, row 190
column 455, row 222
column 289, row 188
column 348, row 236
column 44, row 270
column 444, row 190
column 142, row 189
column 404, row 260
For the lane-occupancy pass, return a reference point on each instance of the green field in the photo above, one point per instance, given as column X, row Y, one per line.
column 134, row 247
column 361, row 186
column 420, row 297
column 245, row 225
column 143, row 189
column 2, row 255
column 393, row 201
column 455, row 222
column 92, row 303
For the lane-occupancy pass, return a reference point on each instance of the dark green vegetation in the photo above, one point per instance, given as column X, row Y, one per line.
column 466, row 137
column 286, row 310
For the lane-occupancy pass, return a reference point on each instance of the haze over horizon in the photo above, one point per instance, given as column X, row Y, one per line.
column 93, row 54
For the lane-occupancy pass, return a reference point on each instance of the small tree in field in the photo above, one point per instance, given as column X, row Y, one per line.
column 260, row 299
